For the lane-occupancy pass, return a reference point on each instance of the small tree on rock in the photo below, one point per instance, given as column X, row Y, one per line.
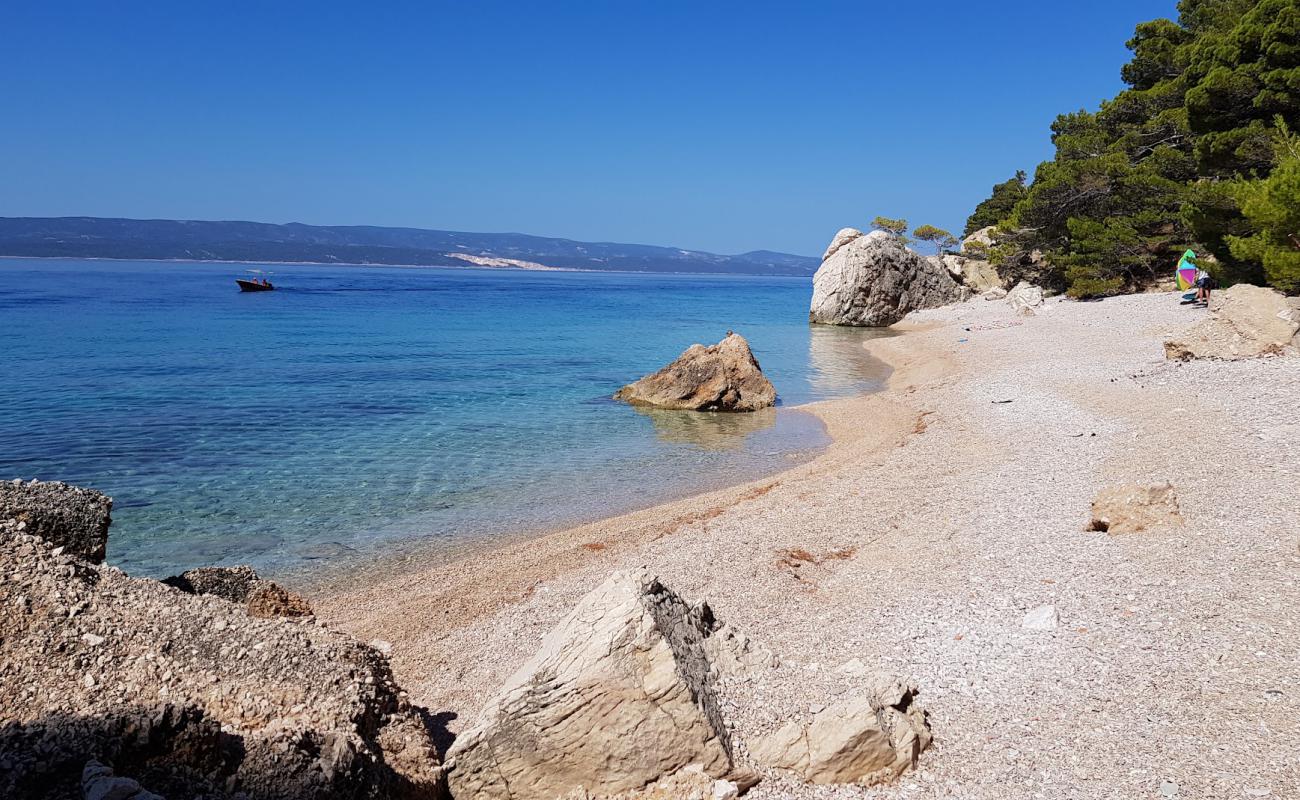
column 941, row 239
column 894, row 227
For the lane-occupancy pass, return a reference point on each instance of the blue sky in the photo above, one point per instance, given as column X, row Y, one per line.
column 724, row 126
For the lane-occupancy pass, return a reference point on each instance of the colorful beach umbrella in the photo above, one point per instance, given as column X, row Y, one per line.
column 1186, row 270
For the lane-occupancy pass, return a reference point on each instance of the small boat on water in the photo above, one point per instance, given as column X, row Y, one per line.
column 254, row 284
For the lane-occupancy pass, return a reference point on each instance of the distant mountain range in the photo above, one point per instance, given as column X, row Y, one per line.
column 97, row 237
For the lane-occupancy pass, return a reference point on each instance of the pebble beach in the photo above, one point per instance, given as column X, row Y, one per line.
column 948, row 507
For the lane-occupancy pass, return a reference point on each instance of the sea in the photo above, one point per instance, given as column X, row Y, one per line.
column 359, row 411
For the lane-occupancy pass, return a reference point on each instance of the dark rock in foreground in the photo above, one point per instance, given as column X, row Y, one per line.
column 242, row 585
column 66, row 516
column 187, row 694
column 721, row 377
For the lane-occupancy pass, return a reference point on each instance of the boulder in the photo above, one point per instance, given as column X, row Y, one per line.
column 721, row 377
column 621, row 695
column 996, row 293
column 66, row 516
column 1132, row 508
column 976, row 274
column 1245, row 322
column 867, row 738
column 873, row 280
column 187, row 694
column 242, row 585
column 1024, row 298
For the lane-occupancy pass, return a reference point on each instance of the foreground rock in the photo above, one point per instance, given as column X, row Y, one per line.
column 1024, row 298
column 873, row 280
column 721, row 377
column 621, row 695
column 66, row 516
column 1245, row 322
column 242, row 585
column 868, row 738
column 187, row 695
column 1130, row 508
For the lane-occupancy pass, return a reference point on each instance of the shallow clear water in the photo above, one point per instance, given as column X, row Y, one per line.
column 361, row 408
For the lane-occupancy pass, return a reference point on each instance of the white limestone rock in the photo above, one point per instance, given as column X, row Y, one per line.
column 620, row 695
column 867, row 738
column 873, row 280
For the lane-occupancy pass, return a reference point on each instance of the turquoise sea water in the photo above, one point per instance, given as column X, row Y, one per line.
column 360, row 409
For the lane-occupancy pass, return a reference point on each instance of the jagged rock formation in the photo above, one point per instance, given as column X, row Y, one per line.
column 242, row 585
column 66, row 516
column 873, row 280
column 1130, row 508
column 976, row 274
column 187, row 694
column 1245, row 322
column 867, row 738
column 620, row 695
column 721, row 377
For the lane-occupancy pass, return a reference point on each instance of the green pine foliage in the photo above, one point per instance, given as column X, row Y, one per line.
column 938, row 237
column 1170, row 162
column 896, row 227
column 999, row 204
column 1272, row 207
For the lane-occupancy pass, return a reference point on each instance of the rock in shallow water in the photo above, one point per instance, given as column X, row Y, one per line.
column 721, row 377
column 873, row 280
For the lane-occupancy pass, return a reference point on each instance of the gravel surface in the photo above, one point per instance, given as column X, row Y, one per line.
column 950, row 507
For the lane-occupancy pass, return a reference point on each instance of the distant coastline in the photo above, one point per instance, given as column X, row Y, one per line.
column 296, row 243
column 465, row 266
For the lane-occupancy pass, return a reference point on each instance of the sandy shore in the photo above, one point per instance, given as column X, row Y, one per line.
column 919, row 539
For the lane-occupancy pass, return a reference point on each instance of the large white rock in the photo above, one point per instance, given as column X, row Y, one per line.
column 1024, row 298
column 1245, row 322
column 873, row 280
column 620, row 695
column 868, row 738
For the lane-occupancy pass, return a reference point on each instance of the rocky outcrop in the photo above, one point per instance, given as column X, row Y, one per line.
column 66, row 516
column 1132, row 508
column 976, row 274
column 873, row 280
column 242, row 585
column 868, row 738
column 620, row 695
column 721, row 377
column 1024, row 298
column 187, row 694
column 1245, row 322
column 980, row 242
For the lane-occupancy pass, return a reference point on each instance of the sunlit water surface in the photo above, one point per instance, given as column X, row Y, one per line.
column 358, row 410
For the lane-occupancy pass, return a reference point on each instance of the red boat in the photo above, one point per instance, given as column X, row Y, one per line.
column 262, row 285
